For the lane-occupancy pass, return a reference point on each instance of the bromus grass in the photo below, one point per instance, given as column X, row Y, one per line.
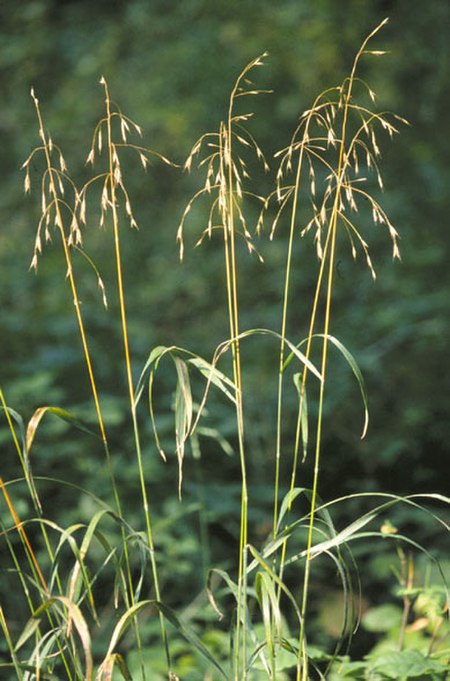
column 255, row 619
column 330, row 116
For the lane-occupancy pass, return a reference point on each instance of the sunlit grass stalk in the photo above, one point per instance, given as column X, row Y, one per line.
column 112, row 180
column 331, row 239
column 305, row 142
column 318, row 446
column 284, row 313
column 225, row 172
column 59, row 223
column 55, row 184
column 229, row 192
column 285, row 307
column 229, row 240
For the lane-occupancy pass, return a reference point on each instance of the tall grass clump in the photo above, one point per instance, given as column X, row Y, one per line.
column 255, row 619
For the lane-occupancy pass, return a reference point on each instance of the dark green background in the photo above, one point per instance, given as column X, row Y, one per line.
column 170, row 66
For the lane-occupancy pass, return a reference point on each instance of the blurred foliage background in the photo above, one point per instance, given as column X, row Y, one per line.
column 170, row 66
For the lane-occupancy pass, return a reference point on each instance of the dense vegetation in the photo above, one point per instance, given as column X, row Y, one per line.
column 171, row 66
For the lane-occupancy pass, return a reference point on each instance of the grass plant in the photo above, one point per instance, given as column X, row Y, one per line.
column 264, row 595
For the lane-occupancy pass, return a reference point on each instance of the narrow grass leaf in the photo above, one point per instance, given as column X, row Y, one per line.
column 77, row 618
column 20, row 445
column 215, row 376
column 295, row 352
column 124, row 622
column 299, row 355
column 228, row 581
column 106, row 669
column 29, row 669
column 273, row 545
column 276, row 579
column 358, row 375
column 154, row 358
column 183, row 414
column 338, row 539
column 184, row 407
column 79, row 569
column 270, row 609
column 139, row 540
column 30, row 628
column 19, row 420
column 301, row 390
column 216, row 435
column 60, row 413
column 189, row 635
column 353, row 366
column 287, row 502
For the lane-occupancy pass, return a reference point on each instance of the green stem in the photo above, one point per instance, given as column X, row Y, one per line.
column 131, row 391
column 331, row 237
column 60, row 224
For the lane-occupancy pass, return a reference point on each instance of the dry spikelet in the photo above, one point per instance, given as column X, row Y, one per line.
column 102, row 288
column 124, row 128
column 38, row 244
column 104, row 198
column 62, row 163
column 117, row 175
column 27, row 182
column 82, row 209
column 396, row 251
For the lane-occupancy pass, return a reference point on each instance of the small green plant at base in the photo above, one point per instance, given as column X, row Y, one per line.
column 254, row 619
column 414, row 637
